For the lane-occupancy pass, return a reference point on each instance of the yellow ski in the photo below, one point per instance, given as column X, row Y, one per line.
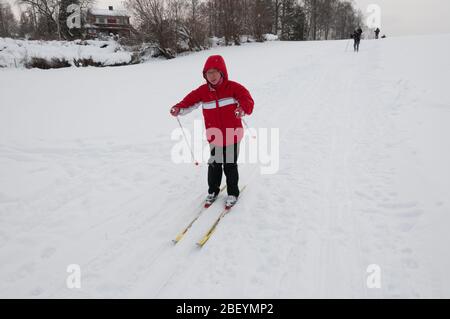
column 185, row 230
column 211, row 230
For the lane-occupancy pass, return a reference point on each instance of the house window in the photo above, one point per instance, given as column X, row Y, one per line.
column 110, row 20
column 100, row 20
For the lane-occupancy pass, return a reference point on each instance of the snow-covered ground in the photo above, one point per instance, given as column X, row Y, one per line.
column 86, row 177
column 17, row 53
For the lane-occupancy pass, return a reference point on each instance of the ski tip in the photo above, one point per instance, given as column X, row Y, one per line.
column 202, row 242
column 177, row 239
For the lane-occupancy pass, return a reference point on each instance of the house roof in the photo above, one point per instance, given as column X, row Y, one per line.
column 106, row 12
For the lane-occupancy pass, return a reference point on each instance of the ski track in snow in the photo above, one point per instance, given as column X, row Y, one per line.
column 113, row 203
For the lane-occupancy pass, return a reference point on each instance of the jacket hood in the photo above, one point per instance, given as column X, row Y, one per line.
column 216, row 62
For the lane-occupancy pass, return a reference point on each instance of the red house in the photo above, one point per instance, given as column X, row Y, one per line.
column 107, row 21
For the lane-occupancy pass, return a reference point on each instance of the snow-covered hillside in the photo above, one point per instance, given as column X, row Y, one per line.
column 20, row 53
column 86, row 177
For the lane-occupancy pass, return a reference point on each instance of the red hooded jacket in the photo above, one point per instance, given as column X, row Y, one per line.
column 219, row 104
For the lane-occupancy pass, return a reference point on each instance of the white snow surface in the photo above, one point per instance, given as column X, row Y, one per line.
column 86, row 177
column 16, row 53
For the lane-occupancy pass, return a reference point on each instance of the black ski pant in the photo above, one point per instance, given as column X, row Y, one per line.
column 223, row 158
column 356, row 45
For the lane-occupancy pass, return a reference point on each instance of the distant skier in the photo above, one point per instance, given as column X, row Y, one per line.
column 377, row 33
column 357, row 38
column 224, row 103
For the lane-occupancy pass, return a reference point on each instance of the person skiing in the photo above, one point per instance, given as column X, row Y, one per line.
column 357, row 38
column 377, row 33
column 224, row 103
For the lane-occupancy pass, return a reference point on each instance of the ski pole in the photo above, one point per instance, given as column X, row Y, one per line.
column 245, row 123
column 348, row 42
column 248, row 129
column 186, row 140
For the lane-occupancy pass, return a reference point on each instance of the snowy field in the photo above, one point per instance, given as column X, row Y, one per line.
column 19, row 53
column 86, row 177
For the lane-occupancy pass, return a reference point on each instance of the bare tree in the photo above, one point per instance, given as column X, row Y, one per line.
column 173, row 25
column 49, row 16
column 276, row 13
column 46, row 12
column 211, row 12
column 194, row 26
column 299, row 24
column 8, row 23
column 346, row 19
column 175, row 14
column 27, row 24
column 230, row 20
column 261, row 18
column 326, row 12
column 152, row 17
column 312, row 12
column 287, row 18
column 177, row 25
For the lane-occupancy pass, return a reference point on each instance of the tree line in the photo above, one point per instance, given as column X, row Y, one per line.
column 39, row 19
column 180, row 25
column 193, row 22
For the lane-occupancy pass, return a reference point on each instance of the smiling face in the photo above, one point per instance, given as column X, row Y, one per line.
column 213, row 76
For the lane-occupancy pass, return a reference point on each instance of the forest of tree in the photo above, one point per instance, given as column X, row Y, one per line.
column 180, row 25
column 8, row 23
column 168, row 21
column 38, row 19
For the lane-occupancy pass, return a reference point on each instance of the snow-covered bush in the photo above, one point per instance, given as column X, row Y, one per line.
column 46, row 54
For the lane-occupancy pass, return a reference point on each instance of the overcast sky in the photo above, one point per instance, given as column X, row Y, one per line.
column 398, row 17
column 409, row 17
